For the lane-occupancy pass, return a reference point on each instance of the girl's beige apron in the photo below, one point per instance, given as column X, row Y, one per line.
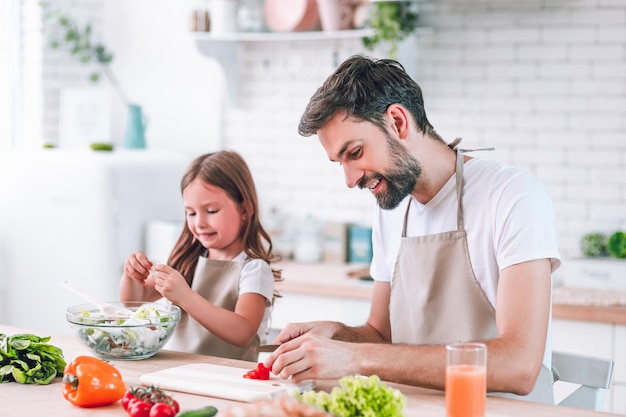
column 217, row 281
column 435, row 297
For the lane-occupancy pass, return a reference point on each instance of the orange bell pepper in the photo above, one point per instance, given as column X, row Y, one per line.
column 92, row 382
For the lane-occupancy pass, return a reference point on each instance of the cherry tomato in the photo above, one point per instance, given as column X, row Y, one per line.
column 162, row 410
column 129, row 395
column 139, row 408
column 175, row 405
column 131, row 402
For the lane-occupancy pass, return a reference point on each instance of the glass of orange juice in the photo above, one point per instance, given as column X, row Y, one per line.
column 466, row 379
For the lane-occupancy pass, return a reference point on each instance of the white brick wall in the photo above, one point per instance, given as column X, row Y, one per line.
column 46, row 72
column 543, row 82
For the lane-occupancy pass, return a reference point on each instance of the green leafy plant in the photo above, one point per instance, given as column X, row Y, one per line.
column 358, row 396
column 594, row 244
column 617, row 245
column 63, row 32
column 392, row 22
column 29, row 359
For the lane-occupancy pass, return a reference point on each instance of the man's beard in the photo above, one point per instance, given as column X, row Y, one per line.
column 401, row 178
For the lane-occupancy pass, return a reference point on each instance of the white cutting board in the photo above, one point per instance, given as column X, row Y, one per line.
column 219, row 381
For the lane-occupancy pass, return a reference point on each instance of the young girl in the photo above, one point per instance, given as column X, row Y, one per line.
column 219, row 271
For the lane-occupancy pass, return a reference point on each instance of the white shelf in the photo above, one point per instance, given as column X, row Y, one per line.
column 224, row 47
column 318, row 35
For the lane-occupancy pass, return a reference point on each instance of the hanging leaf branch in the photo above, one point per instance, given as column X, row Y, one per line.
column 392, row 22
column 63, row 32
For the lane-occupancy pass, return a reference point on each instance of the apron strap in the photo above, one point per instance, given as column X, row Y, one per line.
column 459, row 184
column 406, row 217
column 460, row 224
column 460, row 161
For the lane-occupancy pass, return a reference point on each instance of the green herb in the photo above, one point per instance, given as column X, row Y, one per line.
column 392, row 22
column 29, row 359
column 617, row 245
column 358, row 396
column 593, row 244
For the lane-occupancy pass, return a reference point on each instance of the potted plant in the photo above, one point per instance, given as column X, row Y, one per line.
column 594, row 244
column 63, row 32
column 616, row 245
column 392, row 21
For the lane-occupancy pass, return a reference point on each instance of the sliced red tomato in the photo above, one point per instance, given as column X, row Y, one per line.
column 264, row 373
column 261, row 372
column 252, row 374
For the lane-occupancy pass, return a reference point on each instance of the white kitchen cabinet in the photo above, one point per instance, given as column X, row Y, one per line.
column 619, row 399
column 301, row 308
column 584, row 338
column 76, row 216
column 619, row 371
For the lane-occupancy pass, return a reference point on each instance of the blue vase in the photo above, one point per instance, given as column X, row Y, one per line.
column 135, row 128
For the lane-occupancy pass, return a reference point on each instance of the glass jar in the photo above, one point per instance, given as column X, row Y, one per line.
column 250, row 16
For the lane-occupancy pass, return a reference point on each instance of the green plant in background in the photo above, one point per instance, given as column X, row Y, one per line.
column 593, row 244
column 617, row 245
column 63, row 32
column 392, row 22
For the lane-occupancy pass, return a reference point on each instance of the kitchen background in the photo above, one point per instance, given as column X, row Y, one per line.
column 543, row 81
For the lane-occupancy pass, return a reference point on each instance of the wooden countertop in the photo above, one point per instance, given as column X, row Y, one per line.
column 38, row 400
column 324, row 279
column 332, row 280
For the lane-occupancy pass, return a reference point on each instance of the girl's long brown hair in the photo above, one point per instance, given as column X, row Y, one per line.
column 226, row 170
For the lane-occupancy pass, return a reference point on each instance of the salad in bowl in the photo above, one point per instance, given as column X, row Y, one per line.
column 139, row 336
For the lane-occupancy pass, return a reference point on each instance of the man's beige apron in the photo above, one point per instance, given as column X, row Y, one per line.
column 435, row 297
column 218, row 282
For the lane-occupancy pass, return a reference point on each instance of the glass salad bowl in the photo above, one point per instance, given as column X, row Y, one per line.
column 139, row 336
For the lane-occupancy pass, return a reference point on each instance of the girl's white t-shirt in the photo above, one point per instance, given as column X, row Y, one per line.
column 257, row 277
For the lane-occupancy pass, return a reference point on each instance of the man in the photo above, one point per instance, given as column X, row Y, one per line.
column 464, row 247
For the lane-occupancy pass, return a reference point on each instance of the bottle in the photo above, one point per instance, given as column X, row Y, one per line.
column 250, row 16
column 308, row 243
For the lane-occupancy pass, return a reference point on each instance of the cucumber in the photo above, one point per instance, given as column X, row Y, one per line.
column 208, row 411
column 101, row 146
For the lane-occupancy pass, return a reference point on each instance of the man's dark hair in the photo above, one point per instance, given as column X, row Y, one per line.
column 364, row 88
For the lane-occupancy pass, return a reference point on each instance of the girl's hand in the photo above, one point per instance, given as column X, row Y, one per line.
column 137, row 267
column 170, row 283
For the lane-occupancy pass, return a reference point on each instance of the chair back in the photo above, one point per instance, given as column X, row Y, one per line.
column 592, row 374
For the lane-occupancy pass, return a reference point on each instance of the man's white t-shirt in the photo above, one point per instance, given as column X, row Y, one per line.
column 509, row 218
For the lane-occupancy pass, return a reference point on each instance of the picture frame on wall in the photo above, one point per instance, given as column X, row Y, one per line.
column 84, row 117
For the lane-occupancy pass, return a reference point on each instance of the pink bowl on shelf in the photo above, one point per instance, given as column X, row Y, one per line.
column 292, row 15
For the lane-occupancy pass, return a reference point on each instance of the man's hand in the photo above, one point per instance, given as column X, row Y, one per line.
column 312, row 355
